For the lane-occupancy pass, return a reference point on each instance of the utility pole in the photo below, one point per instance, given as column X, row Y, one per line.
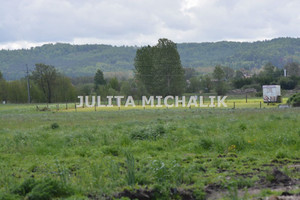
column 284, row 73
column 28, row 85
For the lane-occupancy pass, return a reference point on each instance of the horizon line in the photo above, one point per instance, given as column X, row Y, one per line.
column 12, row 46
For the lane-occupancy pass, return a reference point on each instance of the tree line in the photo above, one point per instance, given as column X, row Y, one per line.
column 158, row 71
column 225, row 79
column 46, row 84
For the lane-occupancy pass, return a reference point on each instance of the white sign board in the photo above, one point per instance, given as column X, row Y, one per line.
column 271, row 93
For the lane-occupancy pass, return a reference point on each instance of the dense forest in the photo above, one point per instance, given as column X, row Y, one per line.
column 84, row 60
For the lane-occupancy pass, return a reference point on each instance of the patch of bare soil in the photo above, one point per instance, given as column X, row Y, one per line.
column 148, row 194
column 278, row 182
column 141, row 194
column 285, row 196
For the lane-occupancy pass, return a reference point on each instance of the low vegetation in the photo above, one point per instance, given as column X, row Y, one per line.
column 148, row 154
column 294, row 100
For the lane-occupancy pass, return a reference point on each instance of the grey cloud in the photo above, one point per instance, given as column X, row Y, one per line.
column 143, row 21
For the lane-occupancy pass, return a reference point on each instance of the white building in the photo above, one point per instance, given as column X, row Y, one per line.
column 272, row 93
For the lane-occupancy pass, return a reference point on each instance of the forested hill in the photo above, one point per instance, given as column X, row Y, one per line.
column 82, row 60
column 241, row 54
column 72, row 60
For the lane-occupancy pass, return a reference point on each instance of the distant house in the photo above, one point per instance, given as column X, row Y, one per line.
column 246, row 75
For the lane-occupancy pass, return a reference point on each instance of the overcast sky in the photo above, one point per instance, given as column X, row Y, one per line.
column 26, row 23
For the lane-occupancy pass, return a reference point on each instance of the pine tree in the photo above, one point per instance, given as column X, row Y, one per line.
column 159, row 68
column 99, row 79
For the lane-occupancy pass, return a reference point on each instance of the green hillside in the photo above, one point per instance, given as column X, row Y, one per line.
column 82, row 60
column 72, row 60
column 241, row 54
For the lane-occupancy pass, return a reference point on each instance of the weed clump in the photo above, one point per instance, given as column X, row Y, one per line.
column 45, row 189
column 281, row 154
column 7, row 196
column 54, row 126
column 243, row 127
column 236, row 142
column 206, row 143
column 130, row 169
column 25, row 187
column 148, row 133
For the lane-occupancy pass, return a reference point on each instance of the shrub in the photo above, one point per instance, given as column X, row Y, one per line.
column 258, row 94
column 287, row 83
column 294, row 100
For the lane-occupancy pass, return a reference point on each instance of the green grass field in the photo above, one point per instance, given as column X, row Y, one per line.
column 177, row 153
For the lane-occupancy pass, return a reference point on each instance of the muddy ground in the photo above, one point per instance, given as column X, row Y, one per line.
column 280, row 182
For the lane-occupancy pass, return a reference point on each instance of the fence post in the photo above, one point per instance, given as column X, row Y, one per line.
column 233, row 105
column 66, row 105
column 75, row 108
column 260, row 104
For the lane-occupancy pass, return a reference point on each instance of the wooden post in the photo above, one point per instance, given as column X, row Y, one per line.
column 66, row 105
column 260, row 104
column 233, row 105
column 246, row 98
column 75, row 108
column 95, row 107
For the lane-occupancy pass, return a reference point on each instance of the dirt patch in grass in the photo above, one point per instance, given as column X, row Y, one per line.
column 151, row 194
column 276, row 180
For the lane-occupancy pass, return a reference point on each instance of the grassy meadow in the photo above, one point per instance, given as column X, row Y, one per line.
column 178, row 153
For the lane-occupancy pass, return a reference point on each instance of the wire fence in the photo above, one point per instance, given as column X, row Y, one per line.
column 105, row 105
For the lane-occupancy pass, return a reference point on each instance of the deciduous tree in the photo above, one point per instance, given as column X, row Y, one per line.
column 3, row 88
column 219, row 76
column 293, row 69
column 45, row 77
